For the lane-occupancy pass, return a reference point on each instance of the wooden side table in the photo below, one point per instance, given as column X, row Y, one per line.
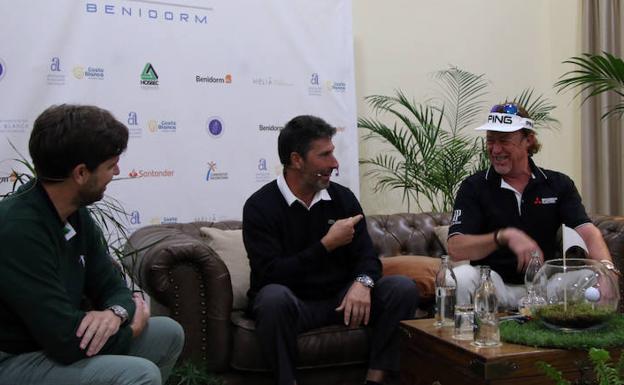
column 430, row 355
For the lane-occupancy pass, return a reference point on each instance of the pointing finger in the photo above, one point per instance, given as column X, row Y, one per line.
column 355, row 219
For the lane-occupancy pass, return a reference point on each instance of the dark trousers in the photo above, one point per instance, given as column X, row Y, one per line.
column 280, row 316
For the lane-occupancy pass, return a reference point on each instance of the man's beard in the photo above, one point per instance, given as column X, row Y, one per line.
column 90, row 194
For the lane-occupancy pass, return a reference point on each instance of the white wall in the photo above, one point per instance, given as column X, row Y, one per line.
column 516, row 43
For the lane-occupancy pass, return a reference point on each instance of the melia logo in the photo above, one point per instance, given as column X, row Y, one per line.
column 2, row 69
column 212, row 173
column 149, row 77
column 214, row 126
column 151, row 173
column 227, row 79
column 134, row 129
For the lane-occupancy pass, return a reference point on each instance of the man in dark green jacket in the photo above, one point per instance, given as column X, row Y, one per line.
column 53, row 255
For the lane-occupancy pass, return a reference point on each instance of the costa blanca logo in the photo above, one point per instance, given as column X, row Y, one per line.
column 149, row 77
column 209, row 79
column 13, row 125
column 213, row 174
column 158, row 11
column 339, row 87
column 214, row 126
column 163, row 220
column 167, row 126
column 2, row 69
column 55, row 76
column 315, row 89
column 166, row 173
column 91, row 72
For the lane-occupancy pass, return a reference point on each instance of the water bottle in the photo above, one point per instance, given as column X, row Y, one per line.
column 533, row 299
column 445, row 289
column 485, row 308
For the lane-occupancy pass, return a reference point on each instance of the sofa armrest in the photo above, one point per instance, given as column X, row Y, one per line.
column 187, row 281
column 612, row 229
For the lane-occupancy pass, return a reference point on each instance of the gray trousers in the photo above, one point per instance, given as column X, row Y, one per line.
column 280, row 316
column 149, row 362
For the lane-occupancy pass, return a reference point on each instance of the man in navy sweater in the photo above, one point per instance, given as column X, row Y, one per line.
column 312, row 260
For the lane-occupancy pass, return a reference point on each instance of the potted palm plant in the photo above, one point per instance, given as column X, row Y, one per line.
column 432, row 151
column 596, row 74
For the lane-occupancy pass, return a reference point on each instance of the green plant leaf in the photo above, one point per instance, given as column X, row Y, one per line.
column 594, row 75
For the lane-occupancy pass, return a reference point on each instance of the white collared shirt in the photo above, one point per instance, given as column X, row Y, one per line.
column 322, row 195
column 518, row 194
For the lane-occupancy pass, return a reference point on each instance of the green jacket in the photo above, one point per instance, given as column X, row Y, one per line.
column 44, row 277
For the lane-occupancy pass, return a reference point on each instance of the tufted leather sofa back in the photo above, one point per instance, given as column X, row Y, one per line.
column 406, row 233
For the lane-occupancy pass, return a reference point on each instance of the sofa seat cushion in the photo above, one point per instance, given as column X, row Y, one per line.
column 328, row 346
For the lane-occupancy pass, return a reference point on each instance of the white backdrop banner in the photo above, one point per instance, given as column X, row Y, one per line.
column 204, row 87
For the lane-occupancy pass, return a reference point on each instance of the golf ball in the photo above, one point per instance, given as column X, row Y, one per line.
column 592, row 294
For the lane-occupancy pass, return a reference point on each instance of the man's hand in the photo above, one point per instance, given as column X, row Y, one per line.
column 356, row 305
column 522, row 245
column 141, row 315
column 95, row 329
column 340, row 233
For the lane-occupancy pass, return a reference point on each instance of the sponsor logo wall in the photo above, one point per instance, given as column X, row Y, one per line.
column 204, row 87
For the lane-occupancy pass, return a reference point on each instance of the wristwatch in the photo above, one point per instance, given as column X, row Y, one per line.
column 120, row 312
column 610, row 266
column 365, row 280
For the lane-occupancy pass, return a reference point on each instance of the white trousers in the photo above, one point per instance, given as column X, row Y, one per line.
column 469, row 278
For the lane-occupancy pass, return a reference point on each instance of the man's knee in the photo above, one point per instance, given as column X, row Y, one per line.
column 274, row 299
column 169, row 329
column 398, row 289
column 141, row 371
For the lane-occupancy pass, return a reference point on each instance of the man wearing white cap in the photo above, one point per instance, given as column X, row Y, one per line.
column 513, row 209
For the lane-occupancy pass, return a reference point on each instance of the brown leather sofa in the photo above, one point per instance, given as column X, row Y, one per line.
column 189, row 282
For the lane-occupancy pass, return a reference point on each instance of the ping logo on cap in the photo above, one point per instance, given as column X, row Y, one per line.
column 498, row 118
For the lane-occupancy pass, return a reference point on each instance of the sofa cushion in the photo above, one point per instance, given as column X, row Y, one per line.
column 228, row 244
column 334, row 345
column 420, row 268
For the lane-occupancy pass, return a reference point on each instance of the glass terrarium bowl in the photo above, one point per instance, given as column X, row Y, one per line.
column 580, row 294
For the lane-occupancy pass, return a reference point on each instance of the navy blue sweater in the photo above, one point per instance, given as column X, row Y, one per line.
column 284, row 243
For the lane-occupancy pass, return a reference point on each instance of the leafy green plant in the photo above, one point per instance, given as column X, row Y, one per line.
column 432, row 154
column 606, row 372
column 596, row 74
column 190, row 373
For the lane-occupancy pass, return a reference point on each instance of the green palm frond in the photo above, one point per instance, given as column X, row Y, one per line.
column 595, row 74
column 461, row 95
column 538, row 107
